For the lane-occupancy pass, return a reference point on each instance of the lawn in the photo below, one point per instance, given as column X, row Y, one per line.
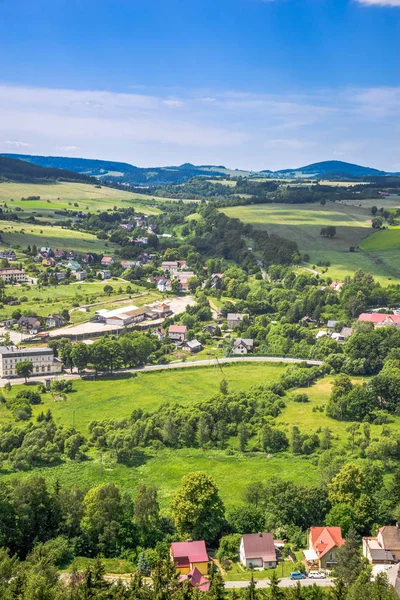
column 64, row 195
column 303, row 223
column 116, row 397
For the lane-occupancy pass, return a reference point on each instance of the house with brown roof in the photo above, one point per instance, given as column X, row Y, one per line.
column 257, row 550
column 323, row 543
column 189, row 555
column 385, row 547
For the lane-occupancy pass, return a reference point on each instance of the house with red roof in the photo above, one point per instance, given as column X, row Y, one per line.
column 323, row 543
column 177, row 333
column 107, row 261
column 380, row 319
column 196, row 579
column 257, row 550
column 189, row 555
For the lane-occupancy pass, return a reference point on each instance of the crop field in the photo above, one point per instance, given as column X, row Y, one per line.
column 23, row 234
column 303, row 223
column 65, row 196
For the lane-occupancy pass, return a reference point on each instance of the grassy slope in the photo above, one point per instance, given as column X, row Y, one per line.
column 13, row 234
column 302, row 223
column 63, row 195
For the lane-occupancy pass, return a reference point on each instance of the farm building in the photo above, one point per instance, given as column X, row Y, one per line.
column 12, row 275
column 380, row 319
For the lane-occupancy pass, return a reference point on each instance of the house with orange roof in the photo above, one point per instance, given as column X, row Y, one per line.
column 323, row 542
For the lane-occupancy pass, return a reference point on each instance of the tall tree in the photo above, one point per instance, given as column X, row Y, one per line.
column 349, row 561
column 197, row 509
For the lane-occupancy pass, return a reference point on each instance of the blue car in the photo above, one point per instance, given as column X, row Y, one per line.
column 297, row 575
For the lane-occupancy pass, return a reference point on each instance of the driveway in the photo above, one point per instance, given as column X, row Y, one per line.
column 285, row 582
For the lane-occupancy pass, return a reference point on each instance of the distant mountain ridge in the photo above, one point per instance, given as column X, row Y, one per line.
column 125, row 173
column 22, row 171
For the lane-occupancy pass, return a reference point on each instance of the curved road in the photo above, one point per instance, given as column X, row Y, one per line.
column 211, row 362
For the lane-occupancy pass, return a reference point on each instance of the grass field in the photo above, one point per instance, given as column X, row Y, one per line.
column 53, row 299
column 303, row 223
column 64, row 195
column 117, row 397
column 21, row 234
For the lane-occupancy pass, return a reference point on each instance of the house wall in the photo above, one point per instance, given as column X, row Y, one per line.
column 202, row 567
column 240, row 350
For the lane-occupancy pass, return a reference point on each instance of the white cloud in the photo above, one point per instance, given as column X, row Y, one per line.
column 16, row 144
column 68, row 148
column 379, row 2
column 174, row 103
column 239, row 129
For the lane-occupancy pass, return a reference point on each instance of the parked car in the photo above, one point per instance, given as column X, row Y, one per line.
column 297, row 575
column 316, row 575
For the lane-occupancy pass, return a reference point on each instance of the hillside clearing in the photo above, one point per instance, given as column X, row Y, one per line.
column 303, row 223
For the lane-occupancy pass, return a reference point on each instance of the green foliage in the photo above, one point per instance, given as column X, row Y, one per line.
column 197, row 508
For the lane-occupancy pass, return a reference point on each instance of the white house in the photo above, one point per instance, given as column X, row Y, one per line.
column 258, row 550
column 177, row 333
column 242, row 346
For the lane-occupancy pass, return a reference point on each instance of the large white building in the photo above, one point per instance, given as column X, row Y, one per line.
column 12, row 275
column 42, row 359
column 125, row 315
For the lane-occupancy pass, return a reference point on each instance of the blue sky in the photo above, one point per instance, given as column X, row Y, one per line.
column 261, row 84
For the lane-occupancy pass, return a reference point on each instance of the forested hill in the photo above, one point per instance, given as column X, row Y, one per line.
column 119, row 172
column 332, row 169
column 26, row 172
column 124, row 173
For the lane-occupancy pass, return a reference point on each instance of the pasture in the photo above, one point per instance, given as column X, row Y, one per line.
column 303, row 223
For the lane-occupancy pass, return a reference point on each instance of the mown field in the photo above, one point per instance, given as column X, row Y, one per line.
column 303, row 223
column 233, row 470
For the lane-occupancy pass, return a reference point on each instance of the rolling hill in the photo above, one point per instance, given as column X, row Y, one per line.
column 27, row 172
column 124, row 173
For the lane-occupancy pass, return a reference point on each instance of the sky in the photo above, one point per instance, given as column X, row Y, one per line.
column 250, row 84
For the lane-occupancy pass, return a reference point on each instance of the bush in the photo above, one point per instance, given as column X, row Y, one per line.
column 301, row 398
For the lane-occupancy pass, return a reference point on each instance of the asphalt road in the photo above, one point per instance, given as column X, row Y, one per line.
column 212, row 362
column 285, row 582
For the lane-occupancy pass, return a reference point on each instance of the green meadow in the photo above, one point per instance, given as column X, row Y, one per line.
column 116, row 397
column 23, row 234
column 65, row 196
column 303, row 223
column 53, row 299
